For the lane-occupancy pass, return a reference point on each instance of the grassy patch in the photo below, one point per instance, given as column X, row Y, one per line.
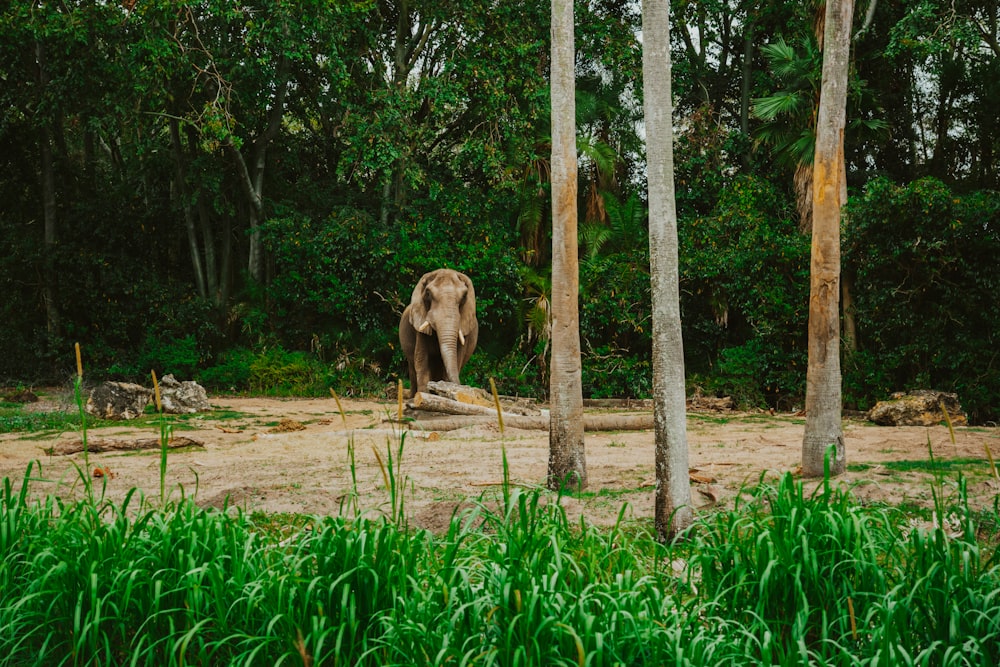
column 16, row 421
column 708, row 419
column 936, row 465
column 605, row 493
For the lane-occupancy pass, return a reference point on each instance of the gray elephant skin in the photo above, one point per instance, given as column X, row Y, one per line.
column 438, row 330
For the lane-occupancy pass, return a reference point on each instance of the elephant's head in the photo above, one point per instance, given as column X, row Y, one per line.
column 443, row 307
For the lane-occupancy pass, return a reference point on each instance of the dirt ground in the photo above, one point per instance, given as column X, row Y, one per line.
column 252, row 459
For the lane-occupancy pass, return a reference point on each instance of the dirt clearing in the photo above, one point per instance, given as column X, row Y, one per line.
column 292, row 455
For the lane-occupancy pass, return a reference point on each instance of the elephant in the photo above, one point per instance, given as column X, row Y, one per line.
column 438, row 330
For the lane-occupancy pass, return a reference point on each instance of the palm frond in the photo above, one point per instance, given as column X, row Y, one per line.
column 782, row 103
column 600, row 153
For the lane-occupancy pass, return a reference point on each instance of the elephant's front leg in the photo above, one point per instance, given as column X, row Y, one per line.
column 424, row 361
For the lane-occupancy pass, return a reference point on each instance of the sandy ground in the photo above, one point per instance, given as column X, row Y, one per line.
column 249, row 460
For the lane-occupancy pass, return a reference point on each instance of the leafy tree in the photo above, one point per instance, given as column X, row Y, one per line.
column 926, row 286
column 950, row 53
column 744, row 278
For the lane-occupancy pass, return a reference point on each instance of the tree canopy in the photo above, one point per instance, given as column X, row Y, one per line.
column 242, row 193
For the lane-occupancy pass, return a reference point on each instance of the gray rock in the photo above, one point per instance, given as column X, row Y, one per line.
column 118, row 400
column 921, row 407
column 182, row 398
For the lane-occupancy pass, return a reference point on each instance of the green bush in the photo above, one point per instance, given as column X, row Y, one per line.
column 744, row 295
column 923, row 262
column 610, row 373
column 230, row 373
column 519, row 372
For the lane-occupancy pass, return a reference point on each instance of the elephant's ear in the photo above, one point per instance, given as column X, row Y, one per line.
column 469, row 322
column 418, row 308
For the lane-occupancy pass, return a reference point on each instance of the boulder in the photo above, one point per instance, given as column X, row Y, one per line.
column 182, row 398
column 118, row 400
column 922, row 407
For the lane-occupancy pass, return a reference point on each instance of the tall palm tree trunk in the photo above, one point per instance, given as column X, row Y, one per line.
column 673, row 489
column 567, row 461
column 823, row 379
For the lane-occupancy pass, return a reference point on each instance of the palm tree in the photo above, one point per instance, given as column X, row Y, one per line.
column 673, row 490
column 789, row 116
column 567, row 461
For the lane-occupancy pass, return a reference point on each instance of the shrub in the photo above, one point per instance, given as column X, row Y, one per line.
column 923, row 263
column 744, row 286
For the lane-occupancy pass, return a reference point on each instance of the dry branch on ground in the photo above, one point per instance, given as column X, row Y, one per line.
column 116, row 445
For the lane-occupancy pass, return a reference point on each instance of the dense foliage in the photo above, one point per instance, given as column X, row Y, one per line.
column 927, row 311
column 245, row 194
column 785, row 579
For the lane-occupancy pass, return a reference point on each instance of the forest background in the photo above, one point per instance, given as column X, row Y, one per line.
column 246, row 193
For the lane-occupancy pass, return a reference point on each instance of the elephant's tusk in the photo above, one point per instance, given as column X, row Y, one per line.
column 424, row 327
column 461, row 337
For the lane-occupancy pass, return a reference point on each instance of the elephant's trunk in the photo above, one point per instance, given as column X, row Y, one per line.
column 448, row 342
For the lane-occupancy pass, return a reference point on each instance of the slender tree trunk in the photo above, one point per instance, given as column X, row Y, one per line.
column 50, row 212
column 50, row 281
column 206, row 231
column 567, row 461
column 673, row 489
column 850, row 326
column 823, row 381
column 255, row 209
column 746, row 71
column 188, row 207
column 252, row 175
column 222, row 287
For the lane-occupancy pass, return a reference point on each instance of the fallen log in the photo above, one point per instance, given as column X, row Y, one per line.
column 392, row 432
column 604, row 422
column 117, row 445
column 721, row 404
column 442, row 424
column 434, row 403
column 619, row 403
column 613, row 422
column 461, row 393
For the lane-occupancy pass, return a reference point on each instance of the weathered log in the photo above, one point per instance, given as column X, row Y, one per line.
column 442, row 424
column 474, row 396
column 619, row 403
column 115, row 445
column 696, row 402
column 604, row 422
column 614, row 422
column 718, row 404
column 434, row 403
column 392, row 432
column 460, row 392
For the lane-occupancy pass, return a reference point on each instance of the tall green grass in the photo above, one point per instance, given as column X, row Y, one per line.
column 784, row 578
